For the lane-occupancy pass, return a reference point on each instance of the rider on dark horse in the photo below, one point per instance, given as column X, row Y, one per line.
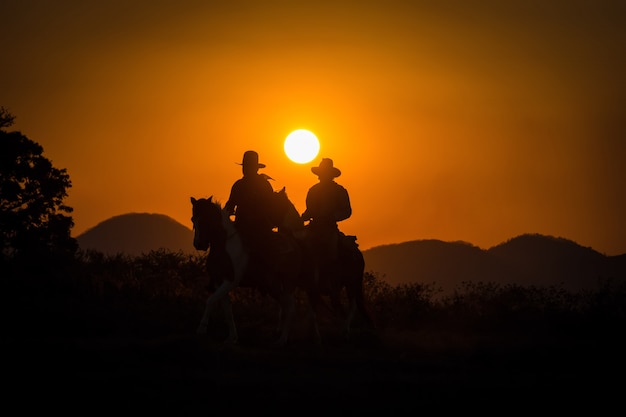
column 250, row 201
column 327, row 203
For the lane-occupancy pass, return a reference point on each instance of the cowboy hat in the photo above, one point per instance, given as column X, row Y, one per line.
column 326, row 167
column 251, row 158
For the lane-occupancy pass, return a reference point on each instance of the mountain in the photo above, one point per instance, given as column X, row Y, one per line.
column 137, row 233
column 529, row 259
column 427, row 261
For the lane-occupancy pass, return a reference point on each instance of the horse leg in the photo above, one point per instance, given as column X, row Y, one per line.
column 227, row 308
column 314, row 295
column 217, row 296
column 283, row 316
column 349, row 317
column 357, row 304
column 287, row 303
column 335, row 302
column 314, row 303
column 335, row 284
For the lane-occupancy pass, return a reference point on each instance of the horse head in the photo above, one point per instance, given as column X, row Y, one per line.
column 206, row 218
column 284, row 213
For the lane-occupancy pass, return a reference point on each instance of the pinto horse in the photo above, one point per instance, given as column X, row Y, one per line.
column 328, row 278
column 230, row 265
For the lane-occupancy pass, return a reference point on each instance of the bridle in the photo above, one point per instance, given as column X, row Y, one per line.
column 204, row 213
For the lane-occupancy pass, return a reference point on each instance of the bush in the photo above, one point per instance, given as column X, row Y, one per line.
column 165, row 292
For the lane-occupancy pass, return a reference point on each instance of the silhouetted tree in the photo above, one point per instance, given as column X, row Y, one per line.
column 34, row 223
column 6, row 118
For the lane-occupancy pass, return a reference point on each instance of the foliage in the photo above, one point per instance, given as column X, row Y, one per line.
column 155, row 274
column 34, row 222
column 164, row 292
column 411, row 302
column 6, row 118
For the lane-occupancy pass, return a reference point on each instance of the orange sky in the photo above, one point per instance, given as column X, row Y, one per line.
column 448, row 121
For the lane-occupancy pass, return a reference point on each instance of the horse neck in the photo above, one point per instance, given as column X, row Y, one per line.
column 292, row 222
column 220, row 234
column 228, row 224
column 232, row 239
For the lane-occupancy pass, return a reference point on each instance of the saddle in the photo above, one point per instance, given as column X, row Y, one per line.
column 331, row 245
column 348, row 240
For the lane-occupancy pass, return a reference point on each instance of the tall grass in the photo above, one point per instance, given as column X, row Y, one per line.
column 164, row 292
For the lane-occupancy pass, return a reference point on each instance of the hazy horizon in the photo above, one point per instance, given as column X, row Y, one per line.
column 582, row 244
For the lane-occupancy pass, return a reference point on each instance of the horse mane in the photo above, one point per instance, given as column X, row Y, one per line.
column 225, row 215
column 289, row 218
column 218, row 204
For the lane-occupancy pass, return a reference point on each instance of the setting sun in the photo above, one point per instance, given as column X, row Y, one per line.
column 301, row 146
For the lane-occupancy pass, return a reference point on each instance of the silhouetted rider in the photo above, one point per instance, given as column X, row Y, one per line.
column 327, row 203
column 249, row 201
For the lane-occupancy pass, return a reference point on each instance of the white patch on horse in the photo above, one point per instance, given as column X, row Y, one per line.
column 234, row 247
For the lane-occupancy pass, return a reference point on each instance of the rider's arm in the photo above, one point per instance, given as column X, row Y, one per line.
column 232, row 200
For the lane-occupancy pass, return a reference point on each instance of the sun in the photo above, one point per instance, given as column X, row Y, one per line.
column 301, row 146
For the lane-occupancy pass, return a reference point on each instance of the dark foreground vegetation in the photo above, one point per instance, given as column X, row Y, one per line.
column 107, row 333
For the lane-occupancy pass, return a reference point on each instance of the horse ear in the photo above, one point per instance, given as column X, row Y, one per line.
column 193, row 200
column 282, row 190
column 210, row 199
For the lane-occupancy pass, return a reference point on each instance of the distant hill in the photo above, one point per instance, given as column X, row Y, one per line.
column 529, row 259
column 137, row 233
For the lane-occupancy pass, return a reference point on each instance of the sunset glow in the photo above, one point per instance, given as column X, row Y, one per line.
column 449, row 120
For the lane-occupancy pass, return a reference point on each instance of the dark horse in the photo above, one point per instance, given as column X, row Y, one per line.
column 329, row 278
column 230, row 265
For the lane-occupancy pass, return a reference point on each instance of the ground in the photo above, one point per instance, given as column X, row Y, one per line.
column 374, row 373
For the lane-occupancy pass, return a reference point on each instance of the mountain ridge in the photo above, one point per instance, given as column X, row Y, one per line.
column 527, row 259
column 137, row 233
